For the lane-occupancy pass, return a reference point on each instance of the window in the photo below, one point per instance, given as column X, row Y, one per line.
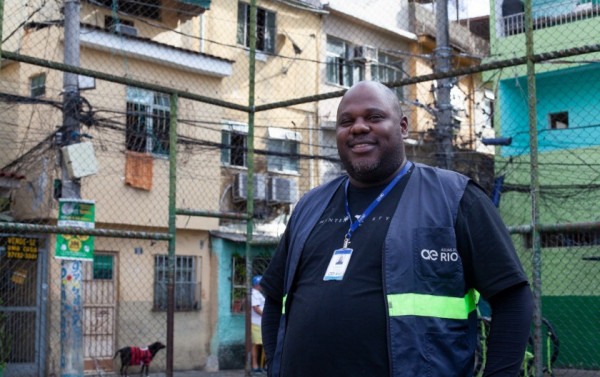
column 238, row 279
column 342, row 68
column 265, row 28
column 37, row 85
column 148, row 121
column 186, row 290
column 559, row 121
column 233, row 138
column 103, row 267
column 388, row 68
column 283, row 150
column 145, row 8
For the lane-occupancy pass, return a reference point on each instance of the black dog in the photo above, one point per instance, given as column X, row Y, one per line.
column 138, row 356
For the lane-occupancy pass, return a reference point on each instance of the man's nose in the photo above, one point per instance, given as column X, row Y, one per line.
column 360, row 126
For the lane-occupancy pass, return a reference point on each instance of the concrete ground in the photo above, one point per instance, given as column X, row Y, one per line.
column 241, row 373
column 188, row 373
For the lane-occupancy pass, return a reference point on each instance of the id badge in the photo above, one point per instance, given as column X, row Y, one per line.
column 338, row 264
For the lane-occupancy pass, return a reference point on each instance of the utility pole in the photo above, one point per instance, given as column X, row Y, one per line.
column 71, row 310
column 443, row 125
column 250, row 187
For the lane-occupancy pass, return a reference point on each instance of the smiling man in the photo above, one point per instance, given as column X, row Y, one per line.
column 376, row 272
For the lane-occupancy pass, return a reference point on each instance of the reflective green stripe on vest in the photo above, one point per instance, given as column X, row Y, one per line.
column 403, row 304
column 283, row 305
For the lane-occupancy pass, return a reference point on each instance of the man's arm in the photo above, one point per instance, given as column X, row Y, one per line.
column 511, row 320
column 270, row 326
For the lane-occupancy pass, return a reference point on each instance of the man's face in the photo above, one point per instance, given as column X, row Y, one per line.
column 369, row 134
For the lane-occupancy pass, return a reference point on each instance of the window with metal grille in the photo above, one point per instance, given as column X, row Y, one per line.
column 233, row 139
column 265, row 28
column 103, row 267
column 148, row 121
column 185, row 279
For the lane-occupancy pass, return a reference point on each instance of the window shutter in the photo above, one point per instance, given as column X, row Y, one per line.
column 241, row 24
column 225, row 147
column 270, row 32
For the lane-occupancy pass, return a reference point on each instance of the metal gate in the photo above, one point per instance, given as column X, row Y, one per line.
column 100, row 305
column 23, row 297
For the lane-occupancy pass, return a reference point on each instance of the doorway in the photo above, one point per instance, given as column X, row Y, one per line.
column 99, row 311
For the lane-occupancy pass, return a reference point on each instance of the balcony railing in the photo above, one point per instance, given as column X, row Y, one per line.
column 549, row 16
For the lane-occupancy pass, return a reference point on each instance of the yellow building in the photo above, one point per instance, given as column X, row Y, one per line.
column 141, row 51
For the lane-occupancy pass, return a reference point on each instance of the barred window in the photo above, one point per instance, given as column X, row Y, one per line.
column 148, row 121
column 265, row 28
column 233, row 139
column 186, row 286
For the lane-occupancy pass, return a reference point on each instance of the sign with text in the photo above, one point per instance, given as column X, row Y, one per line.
column 20, row 247
column 76, row 213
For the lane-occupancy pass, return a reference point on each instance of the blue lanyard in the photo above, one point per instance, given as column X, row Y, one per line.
column 355, row 224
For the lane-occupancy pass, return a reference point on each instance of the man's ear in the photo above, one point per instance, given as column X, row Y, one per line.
column 404, row 127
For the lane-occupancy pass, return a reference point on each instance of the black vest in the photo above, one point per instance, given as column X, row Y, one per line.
column 431, row 313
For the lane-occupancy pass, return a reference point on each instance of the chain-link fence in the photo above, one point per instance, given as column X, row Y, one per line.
column 141, row 137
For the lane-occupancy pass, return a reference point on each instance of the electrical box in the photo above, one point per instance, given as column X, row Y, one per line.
column 80, row 159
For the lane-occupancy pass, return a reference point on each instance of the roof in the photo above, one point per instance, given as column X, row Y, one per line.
column 241, row 237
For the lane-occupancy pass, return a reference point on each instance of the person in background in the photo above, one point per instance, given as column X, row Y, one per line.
column 378, row 271
column 258, row 303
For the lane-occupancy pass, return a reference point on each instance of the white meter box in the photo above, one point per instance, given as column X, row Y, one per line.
column 80, row 159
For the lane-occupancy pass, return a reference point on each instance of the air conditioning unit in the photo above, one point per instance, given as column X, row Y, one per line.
column 283, row 190
column 365, row 53
column 124, row 29
column 240, row 187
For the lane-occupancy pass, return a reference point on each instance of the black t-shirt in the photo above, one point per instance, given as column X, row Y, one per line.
column 329, row 321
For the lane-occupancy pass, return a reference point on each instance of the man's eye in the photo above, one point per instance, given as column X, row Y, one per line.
column 345, row 122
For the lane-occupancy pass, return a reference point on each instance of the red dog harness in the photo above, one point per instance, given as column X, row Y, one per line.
column 140, row 356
